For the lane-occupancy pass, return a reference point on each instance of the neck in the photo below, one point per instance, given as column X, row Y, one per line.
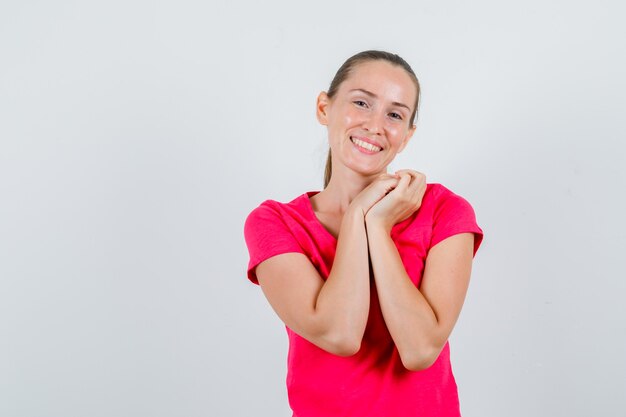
column 343, row 187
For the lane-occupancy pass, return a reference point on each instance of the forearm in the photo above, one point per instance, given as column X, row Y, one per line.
column 409, row 317
column 342, row 306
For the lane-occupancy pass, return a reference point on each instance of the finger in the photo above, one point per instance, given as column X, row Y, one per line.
column 385, row 183
column 412, row 172
column 417, row 187
column 418, row 178
column 421, row 187
column 387, row 175
column 414, row 175
column 404, row 182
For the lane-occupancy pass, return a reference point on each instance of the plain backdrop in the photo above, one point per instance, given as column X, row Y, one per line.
column 135, row 137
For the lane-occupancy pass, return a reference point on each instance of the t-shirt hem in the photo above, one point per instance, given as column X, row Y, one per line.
column 253, row 264
column 478, row 236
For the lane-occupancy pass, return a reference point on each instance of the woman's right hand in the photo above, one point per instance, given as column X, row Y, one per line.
column 374, row 192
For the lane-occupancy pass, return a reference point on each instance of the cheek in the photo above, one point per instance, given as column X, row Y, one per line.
column 345, row 120
column 398, row 133
column 352, row 116
column 345, row 117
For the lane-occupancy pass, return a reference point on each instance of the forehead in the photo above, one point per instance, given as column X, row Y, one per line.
column 384, row 79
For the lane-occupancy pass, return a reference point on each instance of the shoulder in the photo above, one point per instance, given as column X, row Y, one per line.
column 272, row 212
column 272, row 209
column 273, row 228
column 451, row 214
column 439, row 191
column 440, row 203
column 438, row 196
column 269, row 209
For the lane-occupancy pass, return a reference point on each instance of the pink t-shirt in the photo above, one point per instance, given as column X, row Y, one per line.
column 372, row 382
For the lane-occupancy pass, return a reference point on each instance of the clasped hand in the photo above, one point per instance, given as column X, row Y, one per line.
column 394, row 197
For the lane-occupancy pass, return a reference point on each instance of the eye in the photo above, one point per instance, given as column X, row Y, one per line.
column 360, row 103
column 394, row 115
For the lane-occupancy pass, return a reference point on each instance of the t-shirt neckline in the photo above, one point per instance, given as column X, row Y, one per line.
column 306, row 196
column 309, row 206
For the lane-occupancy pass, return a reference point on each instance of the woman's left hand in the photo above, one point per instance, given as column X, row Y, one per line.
column 401, row 202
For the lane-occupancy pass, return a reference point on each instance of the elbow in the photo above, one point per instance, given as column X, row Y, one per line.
column 338, row 340
column 345, row 348
column 342, row 345
column 346, row 351
column 419, row 360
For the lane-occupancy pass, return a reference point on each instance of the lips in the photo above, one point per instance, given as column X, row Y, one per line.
column 365, row 144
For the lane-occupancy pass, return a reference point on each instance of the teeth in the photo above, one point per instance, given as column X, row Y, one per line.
column 365, row 145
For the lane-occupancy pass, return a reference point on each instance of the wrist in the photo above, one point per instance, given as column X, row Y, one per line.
column 375, row 224
column 354, row 214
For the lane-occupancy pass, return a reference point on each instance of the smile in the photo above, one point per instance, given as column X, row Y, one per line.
column 365, row 145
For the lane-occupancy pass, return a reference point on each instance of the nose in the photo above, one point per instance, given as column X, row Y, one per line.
column 373, row 123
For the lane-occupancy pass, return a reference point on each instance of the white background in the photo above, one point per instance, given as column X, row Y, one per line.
column 136, row 136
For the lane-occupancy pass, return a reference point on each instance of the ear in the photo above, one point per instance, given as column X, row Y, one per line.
column 323, row 102
column 409, row 135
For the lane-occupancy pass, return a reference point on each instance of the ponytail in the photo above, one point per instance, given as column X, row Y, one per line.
column 328, row 170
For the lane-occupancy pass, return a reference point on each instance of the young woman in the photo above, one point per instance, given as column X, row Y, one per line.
column 368, row 275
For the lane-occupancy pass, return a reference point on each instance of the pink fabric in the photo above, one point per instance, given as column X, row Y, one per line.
column 373, row 382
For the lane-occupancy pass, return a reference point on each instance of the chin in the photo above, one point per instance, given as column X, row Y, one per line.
column 369, row 171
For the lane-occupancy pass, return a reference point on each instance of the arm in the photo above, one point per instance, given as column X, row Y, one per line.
column 331, row 314
column 419, row 320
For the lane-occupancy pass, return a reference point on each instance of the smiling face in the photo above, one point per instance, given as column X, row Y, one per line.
column 368, row 118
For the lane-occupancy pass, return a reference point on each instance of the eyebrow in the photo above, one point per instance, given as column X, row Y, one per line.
column 369, row 93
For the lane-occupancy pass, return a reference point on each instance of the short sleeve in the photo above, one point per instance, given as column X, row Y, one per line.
column 266, row 236
column 453, row 215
